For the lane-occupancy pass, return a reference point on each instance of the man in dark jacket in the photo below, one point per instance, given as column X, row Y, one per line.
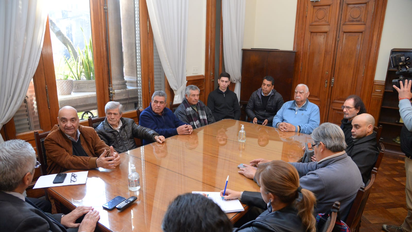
column 161, row 119
column 264, row 103
column 193, row 111
column 120, row 132
column 352, row 106
column 17, row 213
column 364, row 149
column 222, row 102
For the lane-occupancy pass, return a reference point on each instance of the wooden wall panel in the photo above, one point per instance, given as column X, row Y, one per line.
column 376, row 100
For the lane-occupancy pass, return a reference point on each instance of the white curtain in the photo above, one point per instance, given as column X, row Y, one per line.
column 22, row 25
column 233, row 14
column 169, row 24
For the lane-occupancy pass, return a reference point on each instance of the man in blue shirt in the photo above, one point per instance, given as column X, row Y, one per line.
column 298, row 115
column 161, row 119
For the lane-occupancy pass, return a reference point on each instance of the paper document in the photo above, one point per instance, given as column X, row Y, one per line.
column 228, row 206
column 72, row 178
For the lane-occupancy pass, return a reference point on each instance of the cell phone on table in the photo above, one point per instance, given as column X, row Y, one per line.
column 241, row 166
column 113, row 202
column 59, row 178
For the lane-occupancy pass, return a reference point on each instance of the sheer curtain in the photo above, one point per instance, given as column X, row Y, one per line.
column 22, row 25
column 169, row 24
column 233, row 14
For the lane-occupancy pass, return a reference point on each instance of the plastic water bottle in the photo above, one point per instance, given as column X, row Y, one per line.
column 134, row 179
column 242, row 134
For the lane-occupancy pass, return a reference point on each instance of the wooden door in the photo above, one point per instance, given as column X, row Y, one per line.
column 318, row 50
column 336, row 43
column 351, row 55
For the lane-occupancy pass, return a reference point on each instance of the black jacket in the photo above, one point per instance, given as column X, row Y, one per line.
column 256, row 109
column 346, row 126
column 364, row 152
column 223, row 105
column 123, row 140
column 283, row 220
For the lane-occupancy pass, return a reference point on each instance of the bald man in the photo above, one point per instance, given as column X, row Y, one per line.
column 72, row 146
column 364, row 150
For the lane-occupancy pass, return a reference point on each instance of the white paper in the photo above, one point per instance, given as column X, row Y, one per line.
column 47, row 180
column 228, row 206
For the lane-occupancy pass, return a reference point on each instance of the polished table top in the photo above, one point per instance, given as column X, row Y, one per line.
column 185, row 163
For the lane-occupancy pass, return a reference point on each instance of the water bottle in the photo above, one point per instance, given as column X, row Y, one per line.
column 242, row 134
column 134, row 179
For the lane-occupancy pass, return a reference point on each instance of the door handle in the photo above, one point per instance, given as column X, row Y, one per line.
column 326, row 83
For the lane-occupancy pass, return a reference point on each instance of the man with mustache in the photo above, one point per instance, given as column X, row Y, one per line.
column 70, row 145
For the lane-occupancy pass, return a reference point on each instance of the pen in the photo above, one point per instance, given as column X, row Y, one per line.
column 224, row 191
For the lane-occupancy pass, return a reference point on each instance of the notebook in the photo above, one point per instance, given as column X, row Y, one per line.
column 228, row 206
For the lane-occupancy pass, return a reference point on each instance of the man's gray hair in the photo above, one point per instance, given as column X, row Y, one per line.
column 112, row 105
column 17, row 157
column 191, row 87
column 331, row 135
column 306, row 87
column 159, row 93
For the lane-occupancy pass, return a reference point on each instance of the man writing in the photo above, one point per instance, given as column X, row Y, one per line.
column 72, row 146
column 352, row 106
column 222, row 102
column 298, row 115
column 193, row 111
column 264, row 103
column 161, row 119
column 17, row 167
column 120, row 132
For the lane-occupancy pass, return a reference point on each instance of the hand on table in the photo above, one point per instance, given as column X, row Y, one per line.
column 256, row 162
column 284, row 126
column 264, row 123
column 109, row 162
column 89, row 221
column 184, row 130
column 69, row 220
column 254, row 120
column 160, row 138
column 248, row 171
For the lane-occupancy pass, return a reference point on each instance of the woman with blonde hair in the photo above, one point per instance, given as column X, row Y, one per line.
column 289, row 207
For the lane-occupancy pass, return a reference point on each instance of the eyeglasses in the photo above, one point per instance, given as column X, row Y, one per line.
column 315, row 144
column 73, row 178
column 37, row 164
column 347, row 107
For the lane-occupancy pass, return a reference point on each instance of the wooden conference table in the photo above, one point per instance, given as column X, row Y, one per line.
column 185, row 163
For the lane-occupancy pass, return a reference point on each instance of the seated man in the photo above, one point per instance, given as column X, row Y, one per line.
column 264, row 103
column 120, row 132
column 298, row 115
column 222, row 102
column 192, row 111
column 161, row 119
column 195, row 212
column 17, row 167
column 364, row 149
column 335, row 177
column 72, row 146
column 352, row 106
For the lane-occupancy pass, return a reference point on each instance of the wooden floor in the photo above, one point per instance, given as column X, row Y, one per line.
column 386, row 203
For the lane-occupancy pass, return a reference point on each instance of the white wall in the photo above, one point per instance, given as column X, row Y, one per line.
column 396, row 33
column 196, row 36
column 270, row 24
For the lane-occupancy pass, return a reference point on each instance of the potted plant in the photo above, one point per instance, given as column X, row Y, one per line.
column 63, row 83
column 85, row 63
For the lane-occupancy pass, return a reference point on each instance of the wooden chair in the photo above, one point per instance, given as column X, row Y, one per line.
column 138, row 112
column 378, row 131
column 41, row 151
column 380, row 156
column 94, row 122
column 333, row 216
column 358, row 205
